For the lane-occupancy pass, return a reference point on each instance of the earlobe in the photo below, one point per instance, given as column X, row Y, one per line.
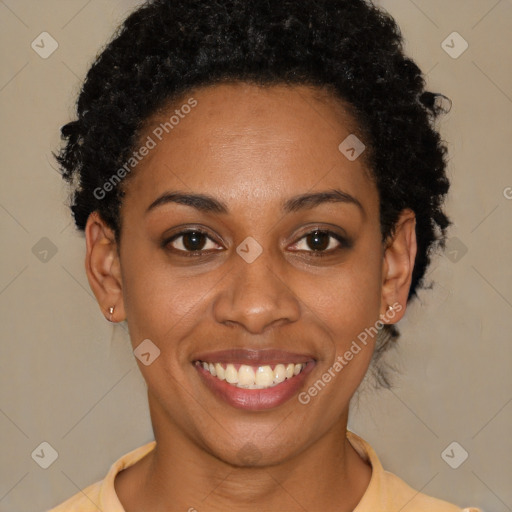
column 398, row 265
column 102, row 267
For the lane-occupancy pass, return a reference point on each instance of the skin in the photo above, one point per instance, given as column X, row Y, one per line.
column 252, row 149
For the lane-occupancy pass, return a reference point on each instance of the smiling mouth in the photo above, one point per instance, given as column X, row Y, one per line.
column 252, row 377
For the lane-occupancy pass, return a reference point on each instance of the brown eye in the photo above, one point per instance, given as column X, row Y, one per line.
column 318, row 240
column 322, row 242
column 191, row 241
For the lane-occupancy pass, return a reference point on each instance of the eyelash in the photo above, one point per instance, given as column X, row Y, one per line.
column 344, row 243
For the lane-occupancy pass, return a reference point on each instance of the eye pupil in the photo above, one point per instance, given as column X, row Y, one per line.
column 190, row 241
column 315, row 237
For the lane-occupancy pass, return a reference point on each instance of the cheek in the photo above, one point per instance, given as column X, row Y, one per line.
column 348, row 308
column 159, row 302
column 348, row 299
column 347, row 304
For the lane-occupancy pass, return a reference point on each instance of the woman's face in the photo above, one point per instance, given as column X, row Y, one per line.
column 259, row 295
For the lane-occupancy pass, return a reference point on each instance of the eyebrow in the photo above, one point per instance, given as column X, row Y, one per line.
column 209, row 204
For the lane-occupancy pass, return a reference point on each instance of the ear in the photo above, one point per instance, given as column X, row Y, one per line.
column 397, row 267
column 103, row 267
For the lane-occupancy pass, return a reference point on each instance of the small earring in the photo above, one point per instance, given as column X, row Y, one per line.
column 111, row 312
column 389, row 308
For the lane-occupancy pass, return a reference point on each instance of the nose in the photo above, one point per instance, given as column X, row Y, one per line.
column 255, row 296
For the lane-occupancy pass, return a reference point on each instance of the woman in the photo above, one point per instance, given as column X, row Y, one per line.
column 261, row 188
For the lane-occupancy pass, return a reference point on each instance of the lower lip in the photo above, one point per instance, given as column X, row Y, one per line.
column 255, row 399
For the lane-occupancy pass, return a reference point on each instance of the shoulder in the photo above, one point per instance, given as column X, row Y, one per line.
column 388, row 492
column 407, row 499
column 101, row 496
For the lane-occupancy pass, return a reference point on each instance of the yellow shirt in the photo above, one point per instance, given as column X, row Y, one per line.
column 385, row 493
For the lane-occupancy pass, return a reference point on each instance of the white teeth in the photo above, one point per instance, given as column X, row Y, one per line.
column 264, row 376
column 253, row 378
column 220, row 371
column 279, row 373
column 245, row 376
column 231, row 374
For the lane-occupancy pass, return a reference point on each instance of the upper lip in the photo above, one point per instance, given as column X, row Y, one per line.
column 253, row 357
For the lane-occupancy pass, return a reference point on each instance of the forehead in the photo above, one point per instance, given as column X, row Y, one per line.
column 242, row 143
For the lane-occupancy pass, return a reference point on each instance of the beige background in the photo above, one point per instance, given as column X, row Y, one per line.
column 69, row 378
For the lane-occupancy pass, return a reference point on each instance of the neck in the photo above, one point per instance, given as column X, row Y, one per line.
column 328, row 475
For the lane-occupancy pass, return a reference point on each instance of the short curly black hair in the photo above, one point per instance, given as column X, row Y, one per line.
column 350, row 47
